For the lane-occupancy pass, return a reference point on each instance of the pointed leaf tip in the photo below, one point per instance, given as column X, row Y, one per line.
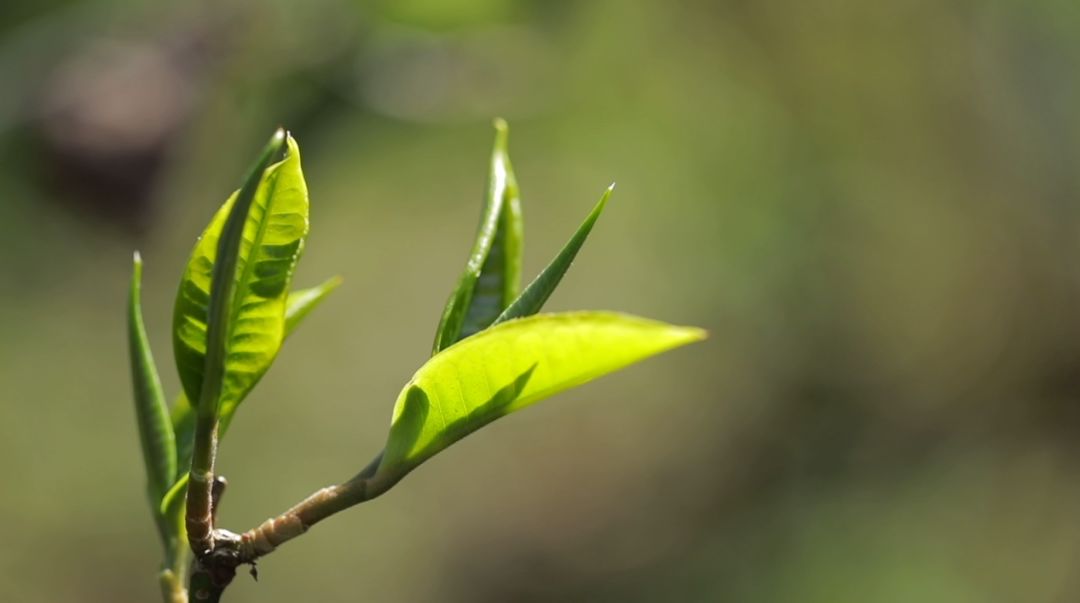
column 155, row 432
column 534, row 296
column 493, row 270
column 510, row 366
column 300, row 303
column 226, row 287
column 692, row 334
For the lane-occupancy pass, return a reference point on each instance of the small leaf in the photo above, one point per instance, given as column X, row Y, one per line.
column 493, row 272
column 532, row 299
column 303, row 301
column 183, row 425
column 155, row 432
column 172, row 501
column 510, row 366
column 268, row 237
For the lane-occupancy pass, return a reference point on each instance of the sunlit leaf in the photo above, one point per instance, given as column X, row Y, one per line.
column 493, row 272
column 303, row 301
column 155, row 431
column 300, row 304
column 510, row 366
column 533, row 297
column 273, row 235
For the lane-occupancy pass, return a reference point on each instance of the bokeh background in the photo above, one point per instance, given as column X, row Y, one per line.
column 874, row 207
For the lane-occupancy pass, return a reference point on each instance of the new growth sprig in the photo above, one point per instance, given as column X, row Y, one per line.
column 493, row 354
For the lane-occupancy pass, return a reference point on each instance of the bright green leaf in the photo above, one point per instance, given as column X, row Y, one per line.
column 253, row 323
column 533, row 297
column 510, row 366
column 493, row 272
column 299, row 305
column 155, row 432
column 230, row 312
column 303, row 301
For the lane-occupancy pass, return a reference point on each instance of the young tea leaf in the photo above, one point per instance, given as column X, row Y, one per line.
column 155, row 432
column 493, row 272
column 510, row 366
column 253, row 317
column 533, row 297
column 299, row 306
column 303, row 301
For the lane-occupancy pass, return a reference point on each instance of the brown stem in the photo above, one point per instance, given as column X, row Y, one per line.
column 217, row 491
column 207, row 582
column 216, row 567
column 276, row 531
column 199, row 518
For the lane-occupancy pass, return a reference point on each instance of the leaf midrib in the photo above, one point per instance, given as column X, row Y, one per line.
column 249, row 263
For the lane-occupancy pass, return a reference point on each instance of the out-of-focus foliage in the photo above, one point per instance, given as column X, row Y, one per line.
column 873, row 207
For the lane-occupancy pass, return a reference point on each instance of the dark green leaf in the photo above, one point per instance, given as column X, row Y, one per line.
column 493, row 272
column 533, row 297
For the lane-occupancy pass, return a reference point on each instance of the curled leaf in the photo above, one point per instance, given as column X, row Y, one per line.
column 493, row 272
column 252, row 318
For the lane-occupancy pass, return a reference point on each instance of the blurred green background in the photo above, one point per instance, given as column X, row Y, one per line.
column 872, row 206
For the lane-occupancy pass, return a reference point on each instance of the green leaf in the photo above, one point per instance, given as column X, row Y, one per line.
column 493, row 272
column 183, row 424
column 268, row 237
column 172, row 503
column 532, row 299
column 298, row 307
column 303, row 301
column 155, row 432
column 509, row 366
